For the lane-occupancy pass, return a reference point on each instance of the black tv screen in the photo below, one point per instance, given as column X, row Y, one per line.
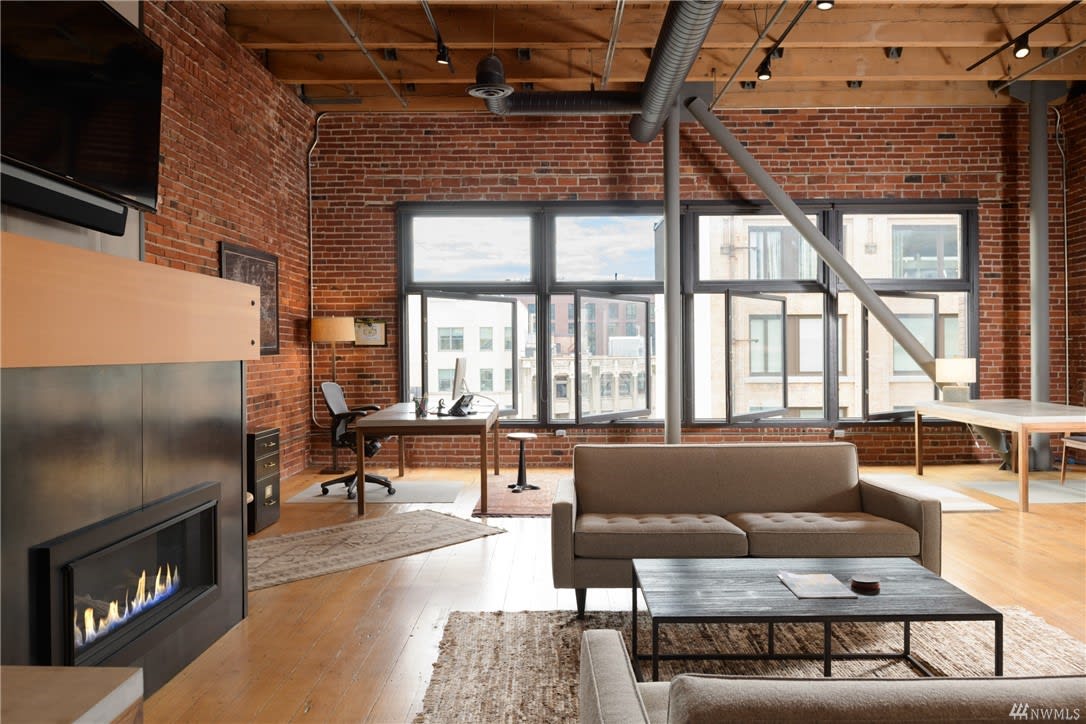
column 81, row 98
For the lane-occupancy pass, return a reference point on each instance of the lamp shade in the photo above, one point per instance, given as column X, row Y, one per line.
column 956, row 371
column 332, row 329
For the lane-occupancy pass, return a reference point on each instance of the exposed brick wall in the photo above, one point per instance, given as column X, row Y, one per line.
column 1074, row 125
column 366, row 163
column 233, row 168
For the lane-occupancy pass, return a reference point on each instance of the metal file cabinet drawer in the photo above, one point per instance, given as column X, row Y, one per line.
column 262, row 477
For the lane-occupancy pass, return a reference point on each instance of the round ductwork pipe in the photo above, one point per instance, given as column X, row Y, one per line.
column 490, row 79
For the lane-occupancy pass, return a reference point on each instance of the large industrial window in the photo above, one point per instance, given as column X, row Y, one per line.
column 770, row 333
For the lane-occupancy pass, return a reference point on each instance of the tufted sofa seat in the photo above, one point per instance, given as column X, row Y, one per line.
column 715, row 501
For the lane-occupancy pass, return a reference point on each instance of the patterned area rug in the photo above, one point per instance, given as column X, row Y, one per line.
column 292, row 557
column 501, row 502
column 523, row 667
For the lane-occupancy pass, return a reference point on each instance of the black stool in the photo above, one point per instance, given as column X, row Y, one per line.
column 522, row 473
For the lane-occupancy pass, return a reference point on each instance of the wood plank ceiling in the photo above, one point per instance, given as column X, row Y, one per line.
column 861, row 53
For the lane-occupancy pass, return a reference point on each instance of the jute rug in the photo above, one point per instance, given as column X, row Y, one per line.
column 407, row 491
column 523, row 667
column 1040, row 491
column 310, row 553
column 501, row 502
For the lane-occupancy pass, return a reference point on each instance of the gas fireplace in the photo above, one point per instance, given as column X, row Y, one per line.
column 107, row 592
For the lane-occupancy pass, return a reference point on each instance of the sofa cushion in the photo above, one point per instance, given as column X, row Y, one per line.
column 677, row 535
column 699, row 699
column 782, row 535
column 720, row 479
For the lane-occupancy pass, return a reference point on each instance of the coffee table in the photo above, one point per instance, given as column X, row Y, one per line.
column 747, row 590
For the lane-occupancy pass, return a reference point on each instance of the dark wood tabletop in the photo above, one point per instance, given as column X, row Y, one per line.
column 748, row 589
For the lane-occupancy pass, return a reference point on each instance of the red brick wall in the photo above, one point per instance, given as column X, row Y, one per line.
column 1073, row 115
column 366, row 163
column 233, row 168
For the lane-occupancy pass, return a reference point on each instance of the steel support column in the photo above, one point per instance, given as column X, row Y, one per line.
column 1038, row 264
column 673, row 413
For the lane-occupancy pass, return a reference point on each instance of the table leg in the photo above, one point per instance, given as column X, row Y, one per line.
column 1023, row 471
column 403, row 453
column 633, row 630
column 497, row 449
column 826, row 659
column 919, row 437
column 999, row 646
column 482, row 472
column 655, row 651
column 360, row 471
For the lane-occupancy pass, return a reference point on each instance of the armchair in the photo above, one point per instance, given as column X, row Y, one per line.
column 343, row 436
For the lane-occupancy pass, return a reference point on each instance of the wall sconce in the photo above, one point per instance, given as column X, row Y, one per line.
column 332, row 329
column 954, row 377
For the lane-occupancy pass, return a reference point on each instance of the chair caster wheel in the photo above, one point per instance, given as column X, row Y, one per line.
column 324, row 491
column 350, row 495
column 391, row 491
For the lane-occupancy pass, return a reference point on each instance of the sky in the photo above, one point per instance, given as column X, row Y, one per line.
column 458, row 248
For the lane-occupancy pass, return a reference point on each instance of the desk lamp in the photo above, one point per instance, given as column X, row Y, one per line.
column 332, row 329
column 954, row 377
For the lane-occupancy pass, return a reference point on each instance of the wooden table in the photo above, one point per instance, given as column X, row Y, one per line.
column 1019, row 417
column 400, row 420
column 747, row 590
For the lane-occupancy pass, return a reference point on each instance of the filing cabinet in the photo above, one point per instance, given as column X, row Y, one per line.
column 263, row 478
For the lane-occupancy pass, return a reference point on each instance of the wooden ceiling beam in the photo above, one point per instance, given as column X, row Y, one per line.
column 277, row 26
column 916, row 64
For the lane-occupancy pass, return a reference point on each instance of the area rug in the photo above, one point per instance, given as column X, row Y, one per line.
column 1040, row 491
column 501, row 502
column 407, row 491
column 952, row 500
column 523, row 667
column 292, row 557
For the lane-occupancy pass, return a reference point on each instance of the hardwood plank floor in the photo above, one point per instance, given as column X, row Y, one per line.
column 359, row 645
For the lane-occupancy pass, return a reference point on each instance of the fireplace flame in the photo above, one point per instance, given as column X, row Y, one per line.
column 165, row 584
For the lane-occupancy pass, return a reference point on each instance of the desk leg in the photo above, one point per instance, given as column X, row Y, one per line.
column 1023, row 470
column 403, row 453
column 482, row 471
column 919, row 437
column 497, row 449
column 360, row 471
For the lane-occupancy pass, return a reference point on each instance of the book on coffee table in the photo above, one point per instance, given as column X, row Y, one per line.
column 815, row 585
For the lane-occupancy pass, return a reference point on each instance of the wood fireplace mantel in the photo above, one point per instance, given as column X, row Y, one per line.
column 63, row 306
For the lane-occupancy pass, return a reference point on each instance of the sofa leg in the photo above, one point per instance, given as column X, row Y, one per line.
column 581, row 594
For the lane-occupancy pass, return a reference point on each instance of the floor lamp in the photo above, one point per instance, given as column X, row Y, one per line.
column 332, row 329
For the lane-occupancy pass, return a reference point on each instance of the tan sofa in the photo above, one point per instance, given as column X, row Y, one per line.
column 609, row 694
column 715, row 501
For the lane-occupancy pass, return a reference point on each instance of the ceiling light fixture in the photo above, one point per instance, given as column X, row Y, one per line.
column 1014, row 41
column 764, row 71
column 1021, row 46
column 443, row 56
column 824, row 4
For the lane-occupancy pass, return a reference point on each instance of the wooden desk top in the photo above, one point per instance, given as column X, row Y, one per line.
column 399, row 419
column 1007, row 414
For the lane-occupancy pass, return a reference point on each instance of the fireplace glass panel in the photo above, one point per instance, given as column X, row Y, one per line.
column 119, row 592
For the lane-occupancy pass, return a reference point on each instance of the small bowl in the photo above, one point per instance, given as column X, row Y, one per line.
column 864, row 584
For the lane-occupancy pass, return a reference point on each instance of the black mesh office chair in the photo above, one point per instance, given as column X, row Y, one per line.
column 343, row 436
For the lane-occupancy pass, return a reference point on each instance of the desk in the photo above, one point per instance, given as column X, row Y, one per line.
column 1019, row 417
column 400, row 420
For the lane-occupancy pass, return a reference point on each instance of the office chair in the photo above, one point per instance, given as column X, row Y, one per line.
column 1070, row 444
column 343, row 436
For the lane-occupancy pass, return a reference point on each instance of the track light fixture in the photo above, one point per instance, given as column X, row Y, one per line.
column 824, row 4
column 442, row 50
column 443, row 54
column 1021, row 46
column 764, row 71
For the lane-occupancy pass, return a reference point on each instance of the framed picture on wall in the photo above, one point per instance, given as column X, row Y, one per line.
column 368, row 332
column 252, row 266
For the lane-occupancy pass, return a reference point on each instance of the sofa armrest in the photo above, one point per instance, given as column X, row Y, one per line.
column 919, row 512
column 608, row 691
column 563, row 518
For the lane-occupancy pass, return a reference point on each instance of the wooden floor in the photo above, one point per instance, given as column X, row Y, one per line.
column 359, row 645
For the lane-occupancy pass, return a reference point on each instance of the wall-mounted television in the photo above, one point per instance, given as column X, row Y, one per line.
column 80, row 103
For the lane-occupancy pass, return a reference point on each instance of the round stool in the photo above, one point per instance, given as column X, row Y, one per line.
column 522, row 473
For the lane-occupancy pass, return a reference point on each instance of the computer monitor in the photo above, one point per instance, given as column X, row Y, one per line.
column 459, row 377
